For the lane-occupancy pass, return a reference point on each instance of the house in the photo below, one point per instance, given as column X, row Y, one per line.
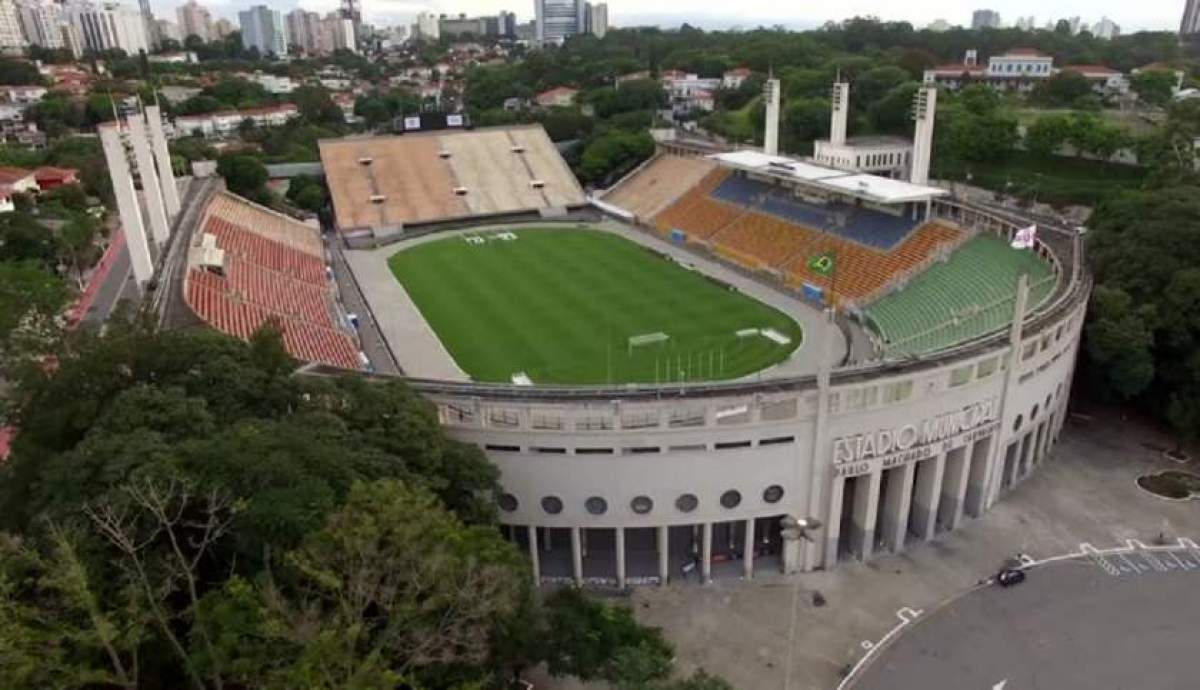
column 24, row 94
column 227, row 122
column 1104, row 80
column 734, row 78
column 13, row 180
column 513, row 104
column 185, row 57
column 701, row 100
column 345, row 101
column 681, row 85
column 271, row 83
column 49, row 177
column 1019, row 69
column 560, row 96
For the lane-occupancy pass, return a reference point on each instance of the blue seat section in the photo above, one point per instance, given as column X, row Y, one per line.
column 871, row 228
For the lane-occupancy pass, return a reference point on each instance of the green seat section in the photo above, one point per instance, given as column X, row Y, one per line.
column 967, row 296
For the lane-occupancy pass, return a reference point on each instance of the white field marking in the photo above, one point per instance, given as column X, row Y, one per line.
column 907, row 615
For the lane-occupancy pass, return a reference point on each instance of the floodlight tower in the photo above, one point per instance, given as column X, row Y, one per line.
column 771, row 136
column 924, row 109
column 839, row 99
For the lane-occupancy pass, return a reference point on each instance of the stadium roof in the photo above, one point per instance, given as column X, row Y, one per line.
column 884, row 190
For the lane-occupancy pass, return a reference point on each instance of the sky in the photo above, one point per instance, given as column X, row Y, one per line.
column 716, row 14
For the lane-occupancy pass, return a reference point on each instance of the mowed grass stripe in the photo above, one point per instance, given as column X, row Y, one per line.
column 560, row 305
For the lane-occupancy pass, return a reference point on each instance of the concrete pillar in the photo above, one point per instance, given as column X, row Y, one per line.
column 136, row 242
column 162, row 156
column 664, row 552
column 576, row 557
column 981, row 456
column 866, row 513
column 954, row 487
column 833, row 522
column 620, row 558
column 748, row 551
column 156, row 213
column 1014, row 472
column 926, row 497
column 839, row 108
column 534, row 558
column 771, row 126
column 706, row 552
column 897, row 505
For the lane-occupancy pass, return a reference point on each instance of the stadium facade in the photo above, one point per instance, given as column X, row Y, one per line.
column 875, row 451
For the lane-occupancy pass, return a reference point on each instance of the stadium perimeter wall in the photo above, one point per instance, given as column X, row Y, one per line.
column 641, row 484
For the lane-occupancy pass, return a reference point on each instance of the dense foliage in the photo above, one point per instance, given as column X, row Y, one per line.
column 181, row 510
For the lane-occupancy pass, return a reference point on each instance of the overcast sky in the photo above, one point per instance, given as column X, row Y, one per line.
column 1132, row 16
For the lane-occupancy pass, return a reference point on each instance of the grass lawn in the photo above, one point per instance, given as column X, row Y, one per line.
column 561, row 304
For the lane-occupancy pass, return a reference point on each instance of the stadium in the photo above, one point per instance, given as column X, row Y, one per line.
column 731, row 362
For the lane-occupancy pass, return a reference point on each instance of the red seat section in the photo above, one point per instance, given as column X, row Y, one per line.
column 264, row 279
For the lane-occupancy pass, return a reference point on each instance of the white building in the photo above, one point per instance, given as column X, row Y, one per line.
column 109, row 26
column 938, row 25
column 264, row 30
column 1021, row 62
column 226, row 122
column 1020, row 69
column 426, row 27
column 11, row 37
column 557, row 20
column 596, row 19
column 735, row 77
column 194, row 20
column 304, row 31
column 1105, row 81
column 271, row 83
column 1190, row 24
column 1106, row 29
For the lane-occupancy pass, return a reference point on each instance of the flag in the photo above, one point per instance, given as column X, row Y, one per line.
column 1025, row 238
column 822, row 264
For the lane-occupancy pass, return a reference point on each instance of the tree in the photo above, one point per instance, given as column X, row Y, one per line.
column 1119, row 341
column 389, row 589
column 1153, row 87
column 1062, row 89
column 316, row 106
column 1049, row 132
column 589, row 640
column 244, row 174
column 609, row 154
column 31, row 299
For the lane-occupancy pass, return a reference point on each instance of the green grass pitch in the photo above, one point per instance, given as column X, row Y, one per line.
column 560, row 305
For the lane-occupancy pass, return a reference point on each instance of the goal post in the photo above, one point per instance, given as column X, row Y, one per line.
column 643, row 339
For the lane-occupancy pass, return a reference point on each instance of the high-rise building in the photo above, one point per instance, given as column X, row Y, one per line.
column 11, row 36
column 165, row 29
column 1190, row 25
column 1026, row 23
column 596, row 19
column 304, row 31
column 351, row 10
column 1106, row 29
column 985, row 19
column 506, row 24
column 222, row 28
column 264, row 30
column 109, row 26
column 194, row 20
column 557, row 20
column 462, row 25
column 426, row 27
column 341, row 31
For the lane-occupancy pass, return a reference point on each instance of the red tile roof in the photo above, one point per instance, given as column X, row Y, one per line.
column 9, row 175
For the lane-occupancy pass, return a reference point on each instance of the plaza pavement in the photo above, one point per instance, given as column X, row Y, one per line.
column 772, row 634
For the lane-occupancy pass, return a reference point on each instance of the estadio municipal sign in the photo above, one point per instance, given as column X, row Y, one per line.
column 861, row 453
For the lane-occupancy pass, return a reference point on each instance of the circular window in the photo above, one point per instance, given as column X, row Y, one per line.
column 773, row 493
column 1033, row 413
column 687, row 503
column 641, row 505
column 1017, row 422
column 596, row 505
column 731, row 498
column 507, row 502
column 552, row 505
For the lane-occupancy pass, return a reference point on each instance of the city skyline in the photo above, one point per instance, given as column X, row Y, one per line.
column 1161, row 15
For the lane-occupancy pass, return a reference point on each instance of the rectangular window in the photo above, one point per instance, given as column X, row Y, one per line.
column 777, row 440
column 728, row 445
column 594, row 424
column 961, row 376
column 593, row 451
column 898, row 391
column 640, row 450
column 985, row 368
column 692, row 447
column 544, row 449
column 502, row 449
column 1029, row 351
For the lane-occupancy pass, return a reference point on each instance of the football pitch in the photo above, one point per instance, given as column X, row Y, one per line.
column 561, row 305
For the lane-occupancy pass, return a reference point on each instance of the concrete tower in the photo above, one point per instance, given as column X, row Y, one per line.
column 166, row 176
column 127, row 203
column 152, row 196
column 839, row 100
column 771, row 136
column 924, row 108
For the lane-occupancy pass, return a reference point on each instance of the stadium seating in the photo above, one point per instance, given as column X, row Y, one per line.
column 696, row 213
column 866, row 226
column 964, row 297
column 658, row 184
column 273, row 270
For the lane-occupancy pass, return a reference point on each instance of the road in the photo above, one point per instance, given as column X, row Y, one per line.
column 1126, row 622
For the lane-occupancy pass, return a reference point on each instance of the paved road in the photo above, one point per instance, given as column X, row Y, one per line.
column 117, row 285
column 1127, row 622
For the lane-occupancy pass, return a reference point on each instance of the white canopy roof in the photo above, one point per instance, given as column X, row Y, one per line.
column 884, row 190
